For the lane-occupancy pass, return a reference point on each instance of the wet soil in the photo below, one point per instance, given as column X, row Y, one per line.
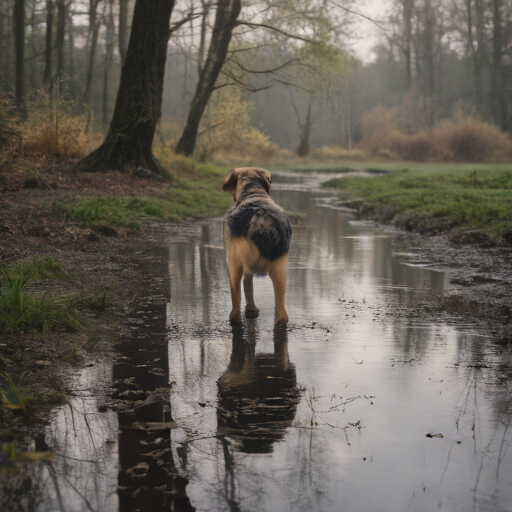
column 390, row 389
column 44, row 365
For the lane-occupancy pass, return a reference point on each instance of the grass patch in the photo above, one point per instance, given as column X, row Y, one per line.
column 40, row 267
column 435, row 198
column 183, row 199
column 22, row 310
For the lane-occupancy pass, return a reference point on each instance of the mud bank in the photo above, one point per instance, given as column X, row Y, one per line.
column 393, row 375
column 42, row 365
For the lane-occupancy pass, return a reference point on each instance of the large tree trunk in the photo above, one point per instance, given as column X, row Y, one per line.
column 139, row 99
column 225, row 21
column 61, row 36
column 49, row 42
column 19, row 47
column 123, row 28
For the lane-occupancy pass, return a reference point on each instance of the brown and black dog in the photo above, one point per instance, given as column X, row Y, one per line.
column 257, row 236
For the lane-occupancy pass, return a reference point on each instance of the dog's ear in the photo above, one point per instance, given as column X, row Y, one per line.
column 230, row 182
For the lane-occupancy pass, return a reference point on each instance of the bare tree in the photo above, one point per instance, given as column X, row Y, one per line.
column 61, row 36
column 19, row 45
column 407, row 39
column 109, row 50
column 499, row 108
column 49, row 43
column 225, row 21
column 94, row 27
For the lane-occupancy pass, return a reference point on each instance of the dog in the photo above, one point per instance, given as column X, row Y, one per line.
column 257, row 235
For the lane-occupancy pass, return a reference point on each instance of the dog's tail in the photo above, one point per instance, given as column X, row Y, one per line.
column 270, row 231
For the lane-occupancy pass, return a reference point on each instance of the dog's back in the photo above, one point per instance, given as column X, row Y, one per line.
column 263, row 223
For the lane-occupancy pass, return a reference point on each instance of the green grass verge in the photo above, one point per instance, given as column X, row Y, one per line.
column 186, row 199
column 437, row 197
column 28, row 304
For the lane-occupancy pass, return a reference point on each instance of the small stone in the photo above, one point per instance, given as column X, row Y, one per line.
column 43, row 363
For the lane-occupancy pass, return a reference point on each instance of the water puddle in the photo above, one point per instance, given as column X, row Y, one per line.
column 361, row 404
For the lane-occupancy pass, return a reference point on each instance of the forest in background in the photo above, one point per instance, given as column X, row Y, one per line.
column 438, row 85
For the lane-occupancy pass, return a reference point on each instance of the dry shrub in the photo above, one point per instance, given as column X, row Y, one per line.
column 419, row 147
column 390, row 132
column 53, row 130
column 471, row 140
column 336, row 153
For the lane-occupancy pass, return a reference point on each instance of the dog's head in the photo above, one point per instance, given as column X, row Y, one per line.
column 245, row 181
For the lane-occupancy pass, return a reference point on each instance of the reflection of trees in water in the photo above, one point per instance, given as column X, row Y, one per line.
column 148, row 480
column 23, row 489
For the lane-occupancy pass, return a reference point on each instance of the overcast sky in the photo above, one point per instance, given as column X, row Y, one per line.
column 375, row 9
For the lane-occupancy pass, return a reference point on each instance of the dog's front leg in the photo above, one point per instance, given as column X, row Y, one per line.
column 235, row 275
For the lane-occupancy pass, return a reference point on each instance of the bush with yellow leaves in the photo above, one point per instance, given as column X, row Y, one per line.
column 226, row 132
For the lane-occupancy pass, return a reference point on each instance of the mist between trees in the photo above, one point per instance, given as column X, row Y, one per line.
column 267, row 79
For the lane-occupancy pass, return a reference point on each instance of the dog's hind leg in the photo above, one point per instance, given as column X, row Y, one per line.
column 251, row 311
column 278, row 274
column 235, row 276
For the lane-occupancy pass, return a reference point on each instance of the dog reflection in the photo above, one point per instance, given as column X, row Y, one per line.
column 258, row 393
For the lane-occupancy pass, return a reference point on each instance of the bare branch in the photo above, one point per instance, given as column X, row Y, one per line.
column 350, row 11
column 186, row 19
column 243, row 85
column 265, row 71
column 275, row 29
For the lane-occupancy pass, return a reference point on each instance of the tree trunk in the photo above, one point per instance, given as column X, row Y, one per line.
column 109, row 49
column 407, row 10
column 225, row 21
column 429, row 47
column 305, row 132
column 19, row 47
column 477, row 71
column 497, row 83
column 94, row 30
column 49, row 42
column 123, row 28
column 127, row 145
column 202, row 39
column 71, row 44
column 61, row 35
column 34, row 64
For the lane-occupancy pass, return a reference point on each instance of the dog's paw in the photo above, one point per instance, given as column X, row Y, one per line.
column 235, row 317
column 251, row 312
column 281, row 322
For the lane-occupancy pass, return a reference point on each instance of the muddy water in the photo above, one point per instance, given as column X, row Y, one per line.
column 361, row 404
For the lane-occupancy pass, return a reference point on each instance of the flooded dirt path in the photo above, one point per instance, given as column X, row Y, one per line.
column 362, row 404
